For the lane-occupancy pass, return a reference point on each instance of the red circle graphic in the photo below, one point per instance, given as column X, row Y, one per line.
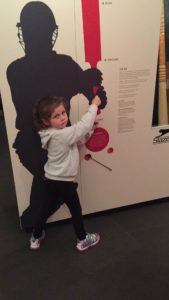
column 98, row 140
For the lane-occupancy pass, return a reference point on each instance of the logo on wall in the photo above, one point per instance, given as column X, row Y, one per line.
column 163, row 137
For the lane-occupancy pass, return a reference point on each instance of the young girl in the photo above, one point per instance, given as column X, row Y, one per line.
column 51, row 118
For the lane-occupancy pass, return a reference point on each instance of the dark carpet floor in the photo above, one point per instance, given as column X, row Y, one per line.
column 130, row 263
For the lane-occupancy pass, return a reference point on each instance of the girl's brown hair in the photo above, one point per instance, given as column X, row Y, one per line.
column 43, row 109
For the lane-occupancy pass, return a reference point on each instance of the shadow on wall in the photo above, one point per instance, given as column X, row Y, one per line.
column 42, row 72
column 1, row 109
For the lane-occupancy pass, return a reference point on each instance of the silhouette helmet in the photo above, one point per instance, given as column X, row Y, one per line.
column 37, row 22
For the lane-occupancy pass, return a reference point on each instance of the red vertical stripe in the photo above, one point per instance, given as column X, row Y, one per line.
column 91, row 29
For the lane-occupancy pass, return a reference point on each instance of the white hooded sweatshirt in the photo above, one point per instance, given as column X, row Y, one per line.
column 63, row 153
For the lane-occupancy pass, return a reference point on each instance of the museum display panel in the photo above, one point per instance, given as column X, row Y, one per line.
column 45, row 48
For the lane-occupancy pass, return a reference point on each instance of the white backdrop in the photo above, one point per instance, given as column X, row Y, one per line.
column 129, row 47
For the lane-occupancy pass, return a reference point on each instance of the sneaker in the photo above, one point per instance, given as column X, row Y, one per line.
column 35, row 243
column 91, row 240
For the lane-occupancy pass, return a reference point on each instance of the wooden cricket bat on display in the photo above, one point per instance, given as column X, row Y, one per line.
column 162, row 97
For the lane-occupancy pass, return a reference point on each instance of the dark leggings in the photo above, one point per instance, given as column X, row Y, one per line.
column 62, row 192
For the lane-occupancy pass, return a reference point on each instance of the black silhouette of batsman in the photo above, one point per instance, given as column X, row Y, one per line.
column 41, row 72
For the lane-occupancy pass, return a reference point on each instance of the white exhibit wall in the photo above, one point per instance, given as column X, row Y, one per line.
column 130, row 42
column 129, row 53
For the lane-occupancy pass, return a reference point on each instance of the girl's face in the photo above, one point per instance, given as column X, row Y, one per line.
column 58, row 118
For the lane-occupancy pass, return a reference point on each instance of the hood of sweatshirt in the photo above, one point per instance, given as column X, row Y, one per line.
column 45, row 136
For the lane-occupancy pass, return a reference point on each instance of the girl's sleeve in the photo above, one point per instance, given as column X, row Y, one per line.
column 77, row 132
column 84, row 139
